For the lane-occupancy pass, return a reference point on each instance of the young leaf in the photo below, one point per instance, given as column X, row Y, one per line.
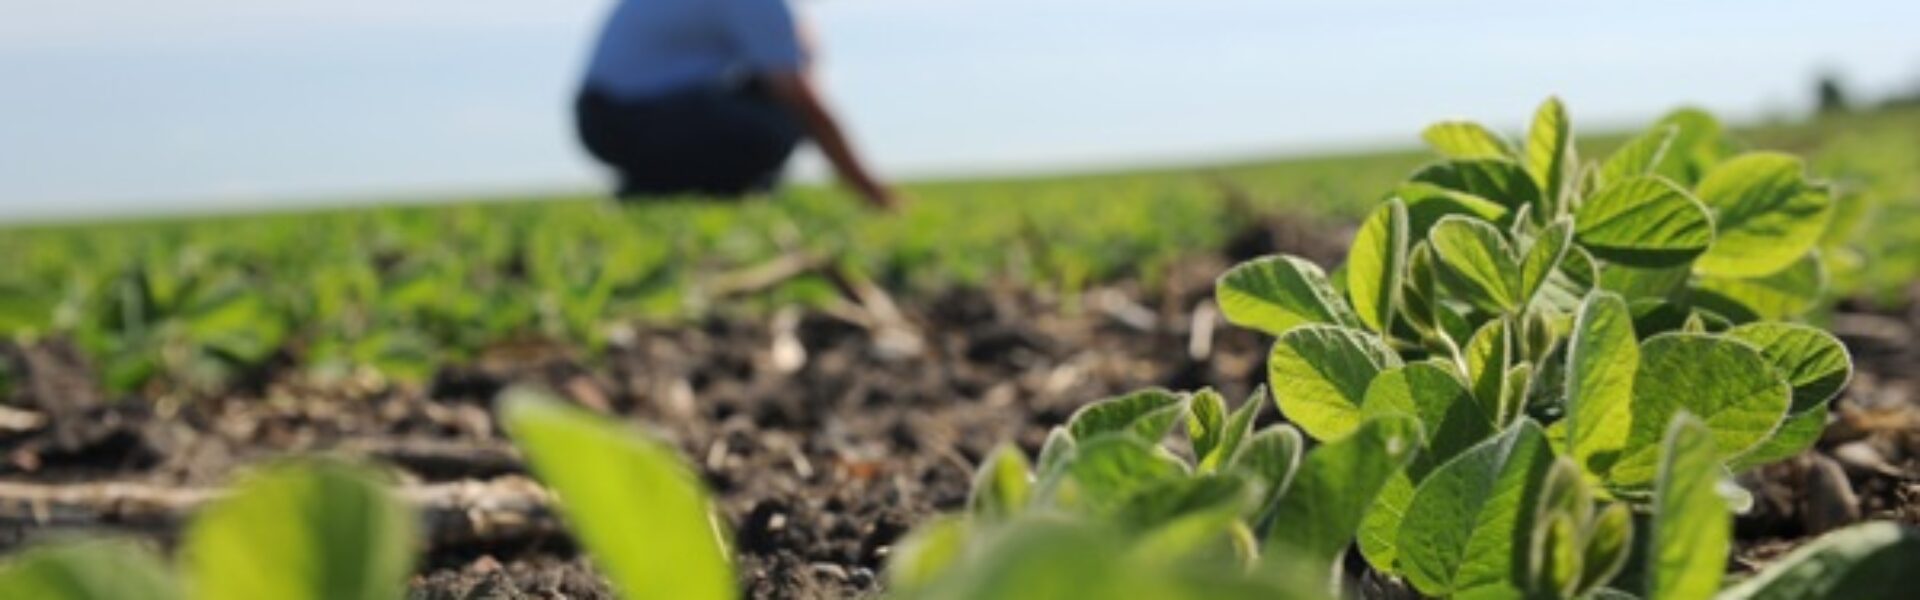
column 1337, row 482
column 1869, row 560
column 1106, row 471
column 1549, row 159
column 1602, row 357
column 1501, row 180
column 1271, row 456
column 930, row 550
column 1420, row 294
column 1185, row 518
column 1765, row 215
column 1692, row 530
column 1696, row 147
column 1477, row 262
column 1379, row 533
column 1055, row 451
column 1787, row 293
column 1470, row 521
column 1278, row 293
column 1428, row 203
column 1206, row 423
column 1489, row 355
column 1644, row 222
column 1319, row 376
column 1454, row 422
column 1223, row 495
column 1609, row 540
column 1554, row 561
column 1543, row 259
column 1000, row 486
column 1147, row 413
column 1723, row 382
column 95, row 570
column 1451, row 418
column 312, row 530
column 1813, row 361
column 1375, row 264
column 631, row 484
column 1465, row 140
column 1639, row 155
column 1239, row 427
column 1796, row 434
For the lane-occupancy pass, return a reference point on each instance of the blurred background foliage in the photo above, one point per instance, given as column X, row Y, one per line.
column 199, row 303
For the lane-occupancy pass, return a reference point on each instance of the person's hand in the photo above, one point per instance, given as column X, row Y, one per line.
column 881, row 196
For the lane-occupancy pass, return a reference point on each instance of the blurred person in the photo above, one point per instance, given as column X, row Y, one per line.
column 710, row 97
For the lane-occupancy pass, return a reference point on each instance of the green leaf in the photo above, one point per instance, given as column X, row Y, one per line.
column 1796, row 434
column 1814, row 362
column 1489, row 355
column 1000, row 486
column 1639, row 156
column 1554, row 563
column 632, row 483
column 1420, row 297
column 1106, row 471
column 1609, row 542
column 1602, row 358
column 1447, row 411
column 1568, row 284
column 1037, row 559
column 1765, row 215
column 1637, row 284
column 1550, row 161
column 1055, row 451
column 1692, row 530
column 1239, row 427
column 1469, row 525
column 932, row 549
column 1724, row 382
column 1319, row 376
column 1697, row 146
column 1223, row 495
column 93, row 570
column 1380, row 528
column 1644, row 222
column 1465, row 140
column 1375, row 264
column 1543, row 259
column 1191, row 517
column 1278, row 293
column 303, row 530
column 1477, row 262
column 1336, row 483
column 1503, row 181
column 1869, row 560
column 1148, row 413
column 1788, row 293
column 1427, row 203
column 1206, row 423
column 1271, row 457
column 1454, row 422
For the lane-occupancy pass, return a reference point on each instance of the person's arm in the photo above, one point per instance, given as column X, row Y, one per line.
column 796, row 90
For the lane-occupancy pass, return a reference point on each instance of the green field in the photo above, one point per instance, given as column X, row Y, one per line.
column 398, row 290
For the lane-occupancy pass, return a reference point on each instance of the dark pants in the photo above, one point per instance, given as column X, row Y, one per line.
column 716, row 141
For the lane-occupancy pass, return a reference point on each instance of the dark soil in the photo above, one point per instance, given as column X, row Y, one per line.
column 823, row 458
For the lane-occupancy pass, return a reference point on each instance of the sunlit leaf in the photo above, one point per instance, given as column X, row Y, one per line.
column 632, row 484
column 314, row 531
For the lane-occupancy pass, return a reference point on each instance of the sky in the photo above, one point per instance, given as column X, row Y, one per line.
column 118, row 107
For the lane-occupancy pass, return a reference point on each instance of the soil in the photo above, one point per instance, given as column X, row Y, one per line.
column 824, row 442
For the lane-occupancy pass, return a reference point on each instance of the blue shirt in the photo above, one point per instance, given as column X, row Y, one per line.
column 652, row 47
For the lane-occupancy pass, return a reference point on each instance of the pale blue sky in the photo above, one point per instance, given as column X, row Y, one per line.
column 118, row 106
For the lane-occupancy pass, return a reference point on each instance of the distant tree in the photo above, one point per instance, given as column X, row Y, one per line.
column 1829, row 95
